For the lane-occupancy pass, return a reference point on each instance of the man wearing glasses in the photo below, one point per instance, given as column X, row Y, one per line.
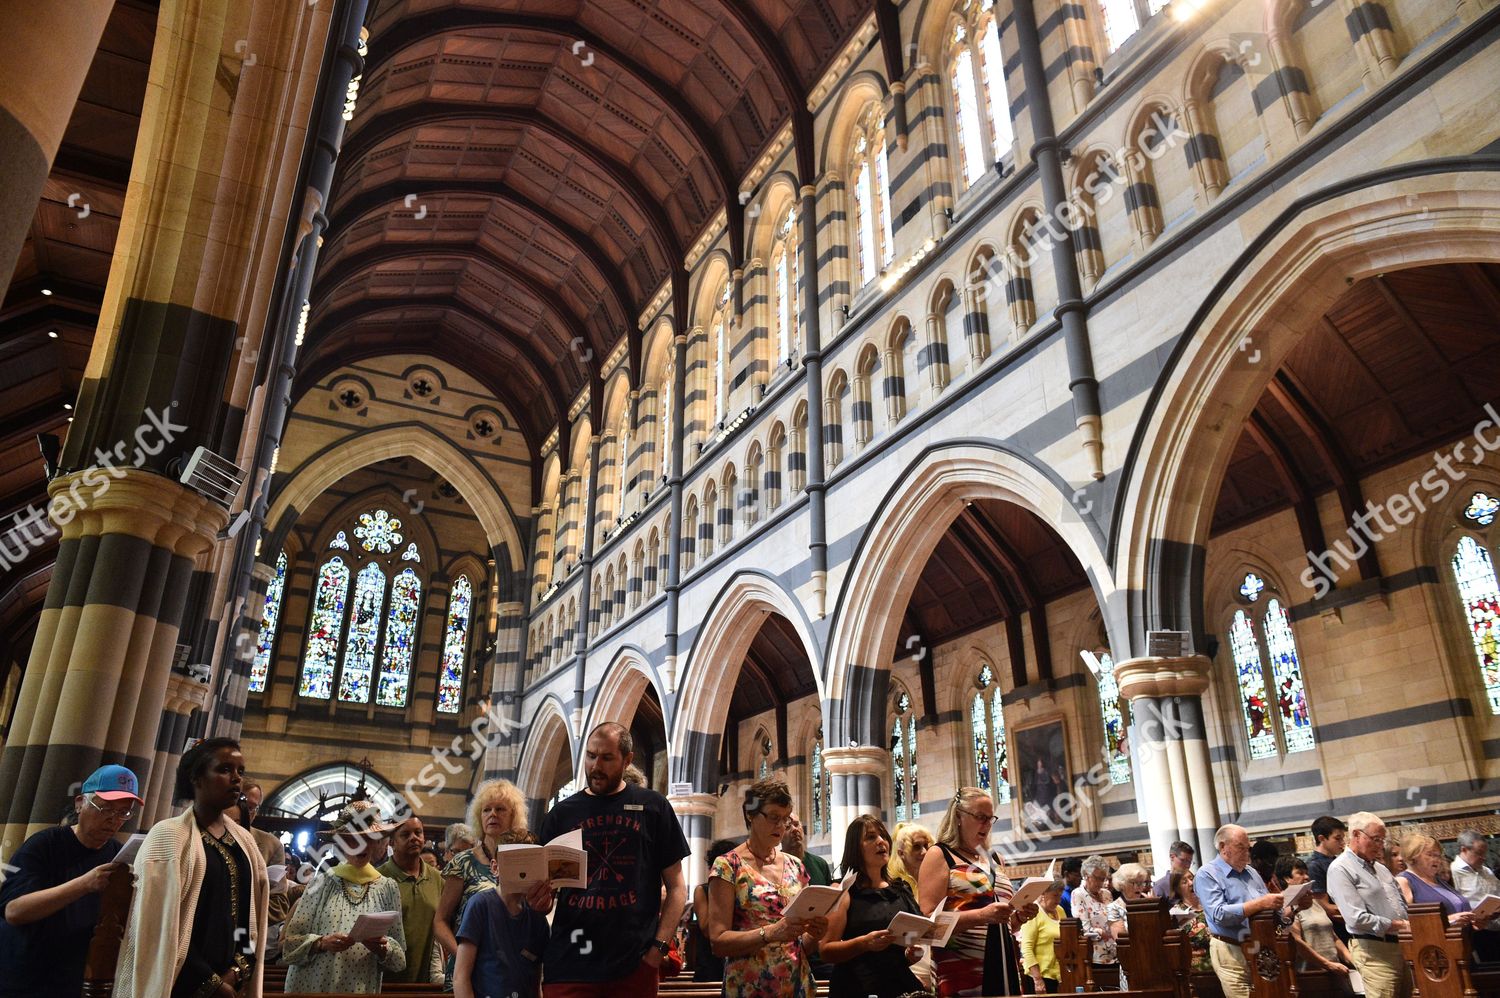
column 50, row 894
column 1374, row 910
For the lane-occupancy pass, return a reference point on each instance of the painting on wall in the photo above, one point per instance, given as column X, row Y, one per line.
column 1044, row 777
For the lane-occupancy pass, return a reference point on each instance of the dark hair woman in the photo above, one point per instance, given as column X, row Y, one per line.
column 199, row 914
column 867, row 959
column 749, row 890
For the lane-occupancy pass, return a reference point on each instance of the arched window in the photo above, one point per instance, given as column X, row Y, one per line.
column 721, row 355
column 786, row 273
column 822, row 806
column 364, row 635
column 1112, row 712
column 904, row 758
column 563, row 793
column 762, row 756
column 1123, row 18
column 378, row 531
column 325, row 627
column 340, row 541
column 1288, row 727
column 450, row 692
column 400, row 639
column 872, row 198
column 664, row 416
column 260, row 666
column 987, row 724
column 1478, row 589
column 976, row 76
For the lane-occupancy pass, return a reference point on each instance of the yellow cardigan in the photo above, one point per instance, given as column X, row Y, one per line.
column 1039, row 945
column 168, row 876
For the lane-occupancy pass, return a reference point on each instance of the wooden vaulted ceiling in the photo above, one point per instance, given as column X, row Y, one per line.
column 521, row 177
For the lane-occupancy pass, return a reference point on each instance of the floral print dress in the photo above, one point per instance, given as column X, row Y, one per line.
column 1195, row 926
column 778, row 970
column 1094, row 914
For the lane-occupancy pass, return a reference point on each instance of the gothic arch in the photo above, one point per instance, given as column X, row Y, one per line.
column 547, row 735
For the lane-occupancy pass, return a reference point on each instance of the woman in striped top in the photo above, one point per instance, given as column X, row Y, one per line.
column 981, row 957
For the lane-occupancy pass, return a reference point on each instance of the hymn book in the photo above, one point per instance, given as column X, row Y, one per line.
column 561, row 861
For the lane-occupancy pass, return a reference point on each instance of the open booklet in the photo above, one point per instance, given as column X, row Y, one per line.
column 915, row 930
column 816, row 901
column 1488, row 907
column 1292, row 893
column 561, row 861
column 1032, row 888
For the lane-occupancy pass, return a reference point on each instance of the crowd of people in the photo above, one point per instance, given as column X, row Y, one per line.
column 213, row 904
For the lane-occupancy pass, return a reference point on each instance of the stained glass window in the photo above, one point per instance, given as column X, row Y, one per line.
column 987, row 724
column 996, row 98
column 820, row 813
column 883, row 203
column 1252, row 683
column 864, row 211
column 1252, row 586
column 1286, row 668
column 364, row 633
column 1477, row 587
column 1113, row 713
column 324, row 627
column 904, row 759
column 378, row 531
column 411, row 553
column 763, row 770
column 455, row 646
column 260, row 666
column 1481, row 509
column 400, row 638
column 665, row 415
column 1120, row 21
column 340, row 541
column 966, row 109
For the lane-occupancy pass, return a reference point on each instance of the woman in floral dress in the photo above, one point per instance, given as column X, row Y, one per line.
column 1091, row 907
column 750, row 888
column 1189, row 913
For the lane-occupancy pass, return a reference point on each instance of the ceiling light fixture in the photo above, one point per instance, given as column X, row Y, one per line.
column 47, row 292
column 52, row 334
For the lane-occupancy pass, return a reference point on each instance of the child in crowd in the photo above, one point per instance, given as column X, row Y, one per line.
column 500, row 942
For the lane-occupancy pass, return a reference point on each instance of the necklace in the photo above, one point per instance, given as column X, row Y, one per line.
column 768, row 858
column 364, row 891
column 484, row 851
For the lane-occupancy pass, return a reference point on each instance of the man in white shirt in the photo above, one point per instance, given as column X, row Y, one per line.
column 1373, row 908
column 1475, row 881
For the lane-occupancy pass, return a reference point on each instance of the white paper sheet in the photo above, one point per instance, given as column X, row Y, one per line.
column 128, row 851
column 373, row 926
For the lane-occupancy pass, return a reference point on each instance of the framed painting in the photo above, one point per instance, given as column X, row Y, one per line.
column 1043, row 777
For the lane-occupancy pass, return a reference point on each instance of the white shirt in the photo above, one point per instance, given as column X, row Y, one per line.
column 1474, row 884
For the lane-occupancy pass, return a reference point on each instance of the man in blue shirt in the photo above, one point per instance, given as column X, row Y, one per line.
column 1231, row 891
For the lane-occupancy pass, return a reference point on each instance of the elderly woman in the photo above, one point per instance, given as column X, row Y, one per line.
column 960, row 871
column 1131, row 881
column 1091, row 901
column 456, row 838
column 199, row 916
column 749, row 889
column 1420, row 882
column 317, row 943
column 497, row 808
column 868, row 961
column 1039, row 943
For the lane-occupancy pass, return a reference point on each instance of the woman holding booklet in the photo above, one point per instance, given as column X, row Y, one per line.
column 978, row 958
column 768, row 941
column 869, row 959
column 1420, row 883
column 346, row 931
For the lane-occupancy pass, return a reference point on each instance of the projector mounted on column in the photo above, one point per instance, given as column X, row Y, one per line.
column 213, row 477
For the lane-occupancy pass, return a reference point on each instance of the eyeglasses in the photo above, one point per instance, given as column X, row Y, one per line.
column 979, row 817
column 1373, row 838
column 782, row 822
column 111, row 813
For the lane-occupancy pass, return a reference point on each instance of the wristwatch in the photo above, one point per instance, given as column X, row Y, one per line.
column 663, row 946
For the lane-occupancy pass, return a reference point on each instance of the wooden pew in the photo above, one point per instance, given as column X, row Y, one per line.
column 1155, row 954
column 1272, row 956
column 1440, row 957
column 109, row 934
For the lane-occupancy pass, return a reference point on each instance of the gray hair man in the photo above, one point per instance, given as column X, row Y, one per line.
column 1373, row 908
column 1474, row 881
column 1231, row 891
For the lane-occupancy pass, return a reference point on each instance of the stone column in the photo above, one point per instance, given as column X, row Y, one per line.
column 857, row 773
column 97, row 678
column 184, row 695
column 44, row 56
column 1169, row 739
column 695, row 812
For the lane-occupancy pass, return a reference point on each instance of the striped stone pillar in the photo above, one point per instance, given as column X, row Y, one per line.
column 44, row 57
column 695, row 813
column 857, row 773
column 184, row 695
column 1170, row 742
column 96, row 681
column 1204, row 153
column 976, row 325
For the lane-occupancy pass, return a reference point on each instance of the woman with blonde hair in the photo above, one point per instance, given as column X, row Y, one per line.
column 497, row 808
column 979, row 958
column 910, row 845
column 1420, row 882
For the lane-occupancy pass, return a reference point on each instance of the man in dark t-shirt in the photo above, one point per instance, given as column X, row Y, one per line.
column 608, row 941
column 49, row 900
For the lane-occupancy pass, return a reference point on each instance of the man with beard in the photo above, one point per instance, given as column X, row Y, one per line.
column 608, row 941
